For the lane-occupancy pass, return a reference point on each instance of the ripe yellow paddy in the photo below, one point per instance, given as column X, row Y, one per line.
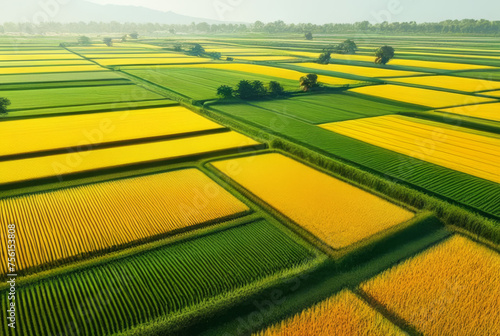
column 51, row 69
column 437, row 65
column 450, row 289
column 137, row 55
column 482, row 111
column 152, row 61
column 66, row 223
column 459, row 150
column 418, row 96
column 265, row 58
column 492, row 93
column 32, row 135
column 336, row 212
column 266, row 70
column 343, row 314
column 359, row 58
column 34, row 57
column 77, row 162
column 452, row 83
column 359, row 70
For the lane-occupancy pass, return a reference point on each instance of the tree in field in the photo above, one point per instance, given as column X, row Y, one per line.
column 225, row 91
column 84, row 40
column 229, row 59
column 134, row 35
column 275, row 89
column 349, row 47
column 215, row 55
column 177, row 47
column 124, row 38
column 308, row 82
column 384, row 54
column 197, row 50
column 308, row 36
column 325, row 57
column 108, row 41
column 244, row 90
column 259, row 89
column 4, row 102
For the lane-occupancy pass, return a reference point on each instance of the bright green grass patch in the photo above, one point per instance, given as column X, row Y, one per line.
column 69, row 84
column 488, row 75
column 92, row 108
column 321, row 108
column 34, row 99
column 200, row 83
column 163, row 282
column 455, row 186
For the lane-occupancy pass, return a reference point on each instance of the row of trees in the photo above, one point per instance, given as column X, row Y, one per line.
column 466, row 26
column 248, row 90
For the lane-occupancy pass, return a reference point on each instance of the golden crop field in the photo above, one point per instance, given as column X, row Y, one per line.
column 134, row 55
column 450, row 289
column 305, row 54
column 334, row 211
column 37, row 52
column 32, row 135
column 152, row 61
column 70, row 222
column 359, row 70
column 452, row 83
column 343, row 314
column 266, row 70
column 77, row 162
column 359, row 58
column 265, row 58
column 12, row 64
column 492, row 93
column 455, row 148
column 418, row 96
column 437, row 65
column 483, row 111
column 34, row 57
column 51, row 69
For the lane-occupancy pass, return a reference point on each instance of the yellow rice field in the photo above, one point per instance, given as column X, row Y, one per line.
column 305, row 54
column 437, row 65
column 492, row 93
column 343, row 314
column 136, row 55
column 452, row 83
column 482, row 111
column 32, row 135
column 266, row 70
column 34, row 57
column 152, row 61
column 11, row 64
column 334, row 211
column 359, row 58
column 265, row 58
column 69, row 223
column 359, row 70
column 418, row 96
column 456, row 149
column 51, row 69
column 77, row 162
column 450, row 289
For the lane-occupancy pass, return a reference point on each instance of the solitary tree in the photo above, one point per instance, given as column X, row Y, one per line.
column 275, row 89
column 308, row 82
column 215, row 55
column 384, row 54
column 308, row 36
column 225, row 91
column 197, row 50
column 325, row 57
column 124, row 38
column 134, row 35
column 4, row 102
column 108, row 41
column 349, row 47
column 229, row 59
column 84, row 40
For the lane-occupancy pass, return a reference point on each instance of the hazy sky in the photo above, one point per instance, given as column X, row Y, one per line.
column 322, row 11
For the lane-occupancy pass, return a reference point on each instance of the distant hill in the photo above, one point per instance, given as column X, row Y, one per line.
column 81, row 10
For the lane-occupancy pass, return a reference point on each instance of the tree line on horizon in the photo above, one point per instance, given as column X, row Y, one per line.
column 466, row 26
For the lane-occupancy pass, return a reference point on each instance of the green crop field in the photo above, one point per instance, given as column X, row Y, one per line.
column 166, row 281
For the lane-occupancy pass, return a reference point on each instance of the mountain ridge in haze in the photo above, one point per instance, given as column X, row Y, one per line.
column 66, row 11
